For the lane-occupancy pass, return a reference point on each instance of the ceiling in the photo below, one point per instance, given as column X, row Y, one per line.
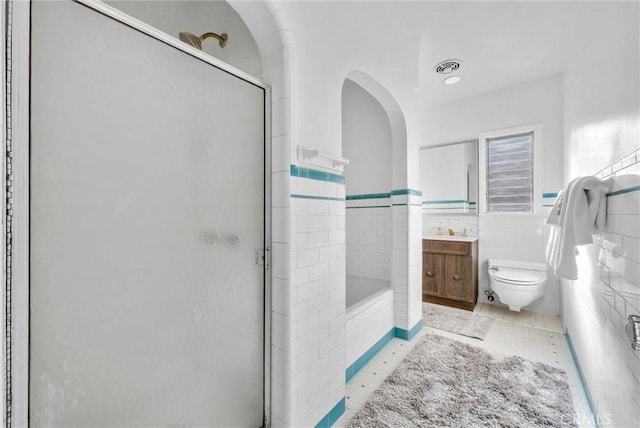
column 500, row 43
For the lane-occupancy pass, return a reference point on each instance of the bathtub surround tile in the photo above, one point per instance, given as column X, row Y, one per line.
column 358, row 364
column 368, row 238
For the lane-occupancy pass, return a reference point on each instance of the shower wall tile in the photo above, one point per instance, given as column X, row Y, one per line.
column 278, row 62
column 280, row 153
column 317, row 296
column 280, row 117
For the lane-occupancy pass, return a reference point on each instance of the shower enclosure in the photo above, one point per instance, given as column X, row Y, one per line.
column 147, row 210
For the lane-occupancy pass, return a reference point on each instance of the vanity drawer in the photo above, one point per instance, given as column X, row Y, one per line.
column 446, row 247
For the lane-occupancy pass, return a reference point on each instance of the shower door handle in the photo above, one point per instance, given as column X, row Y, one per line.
column 263, row 258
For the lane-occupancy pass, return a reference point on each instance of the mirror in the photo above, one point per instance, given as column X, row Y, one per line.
column 449, row 178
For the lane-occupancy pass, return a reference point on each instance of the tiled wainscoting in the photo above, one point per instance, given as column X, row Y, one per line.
column 596, row 305
column 315, row 346
column 458, row 223
column 518, row 237
column 507, row 236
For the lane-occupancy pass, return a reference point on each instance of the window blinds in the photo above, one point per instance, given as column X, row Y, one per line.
column 510, row 173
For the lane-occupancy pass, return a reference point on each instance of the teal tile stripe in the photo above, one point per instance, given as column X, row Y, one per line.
column 406, row 192
column 384, row 195
column 407, row 334
column 582, row 380
column 447, row 201
column 314, row 174
column 614, row 193
column 368, row 206
column 622, row 191
column 333, row 415
column 368, row 196
column 320, row 198
column 368, row 355
column 445, row 208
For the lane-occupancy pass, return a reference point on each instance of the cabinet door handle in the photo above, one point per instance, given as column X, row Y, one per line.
column 457, row 277
column 429, row 274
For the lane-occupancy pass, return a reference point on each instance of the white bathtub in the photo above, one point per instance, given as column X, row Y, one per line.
column 369, row 316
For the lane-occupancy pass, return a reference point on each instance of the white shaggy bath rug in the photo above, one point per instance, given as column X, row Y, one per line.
column 455, row 320
column 445, row 383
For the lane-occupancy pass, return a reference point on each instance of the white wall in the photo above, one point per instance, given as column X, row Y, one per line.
column 366, row 139
column 601, row 127
column 199, row 17
column 531, row 102
column 507, row 236
column 366, row 142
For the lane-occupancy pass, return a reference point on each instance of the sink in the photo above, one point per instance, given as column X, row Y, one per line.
column 451, row 238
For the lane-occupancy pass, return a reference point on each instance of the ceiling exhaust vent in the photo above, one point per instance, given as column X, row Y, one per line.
column 448, row 66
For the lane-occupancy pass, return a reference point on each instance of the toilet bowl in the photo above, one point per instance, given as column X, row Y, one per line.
column 517, row 283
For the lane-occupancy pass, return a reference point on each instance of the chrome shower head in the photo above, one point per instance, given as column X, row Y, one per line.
column 196, row 41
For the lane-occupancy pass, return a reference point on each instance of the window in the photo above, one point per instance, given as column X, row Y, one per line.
column 509, row 162
column 510, row 173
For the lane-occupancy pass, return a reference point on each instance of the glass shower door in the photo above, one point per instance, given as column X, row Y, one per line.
column 147, row 208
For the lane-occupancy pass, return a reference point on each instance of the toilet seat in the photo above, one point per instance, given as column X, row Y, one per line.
column 518, row 277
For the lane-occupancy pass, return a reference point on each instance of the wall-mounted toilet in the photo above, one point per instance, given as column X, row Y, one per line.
column 517, row 283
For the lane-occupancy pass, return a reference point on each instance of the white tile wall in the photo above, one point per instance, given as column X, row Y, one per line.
column 317, row 301
column 368, row 237
column 431, row 223
column 406, row 275
column 519, row 237
column 507, row 236
column 597, row 305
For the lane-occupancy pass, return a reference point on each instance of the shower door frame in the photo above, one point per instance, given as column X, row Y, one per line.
column 15, row 22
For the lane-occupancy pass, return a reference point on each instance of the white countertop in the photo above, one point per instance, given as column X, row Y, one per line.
column 451, row 238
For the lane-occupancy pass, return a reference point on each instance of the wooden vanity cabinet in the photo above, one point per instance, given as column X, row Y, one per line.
column 450, row 273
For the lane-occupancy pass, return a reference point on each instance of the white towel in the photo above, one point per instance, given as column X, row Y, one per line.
column 554, row 214
column 580, row 212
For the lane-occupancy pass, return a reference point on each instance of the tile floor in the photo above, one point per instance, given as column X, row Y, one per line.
column 534, row 336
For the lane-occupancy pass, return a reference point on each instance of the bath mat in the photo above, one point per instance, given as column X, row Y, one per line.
column 445, row 383
column 455, row 320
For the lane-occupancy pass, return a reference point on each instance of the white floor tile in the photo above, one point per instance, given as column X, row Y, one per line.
column 533, row 336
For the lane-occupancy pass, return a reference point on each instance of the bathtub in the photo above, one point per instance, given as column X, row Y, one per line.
column 369, row 320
